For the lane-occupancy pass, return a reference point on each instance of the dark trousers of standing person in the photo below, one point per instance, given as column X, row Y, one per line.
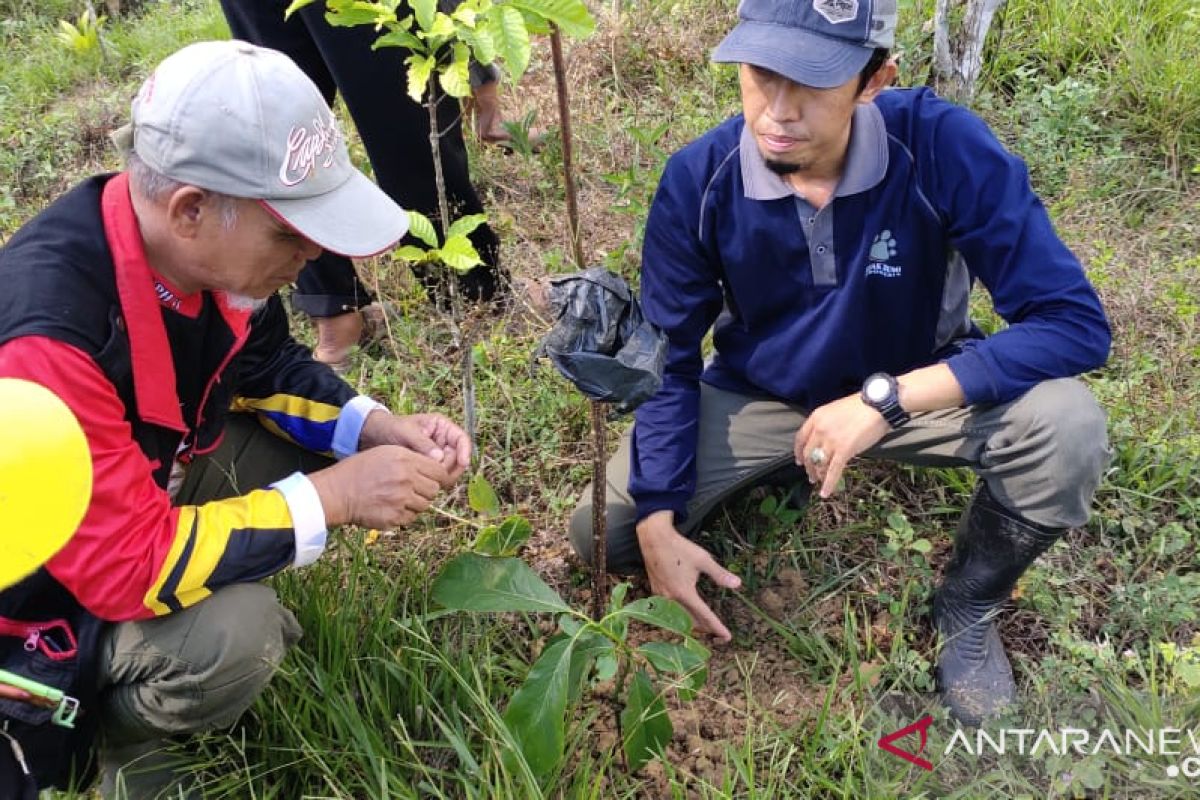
column 394, row 131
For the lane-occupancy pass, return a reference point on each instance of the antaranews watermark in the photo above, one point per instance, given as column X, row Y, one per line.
column 1182, row 744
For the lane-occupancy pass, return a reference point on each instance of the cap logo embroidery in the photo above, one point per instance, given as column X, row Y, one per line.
column 305, row 148
column 836, row 11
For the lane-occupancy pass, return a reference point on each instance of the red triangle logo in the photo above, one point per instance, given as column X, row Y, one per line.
column 921, row 726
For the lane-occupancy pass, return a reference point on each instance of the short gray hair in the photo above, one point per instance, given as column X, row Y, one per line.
column 157, row 187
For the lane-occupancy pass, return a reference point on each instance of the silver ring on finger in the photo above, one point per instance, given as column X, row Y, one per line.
column 816, row 456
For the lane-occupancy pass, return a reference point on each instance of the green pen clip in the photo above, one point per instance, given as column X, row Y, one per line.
column 65, row 707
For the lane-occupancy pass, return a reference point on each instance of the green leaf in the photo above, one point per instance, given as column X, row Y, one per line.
column 479, row 354
column 424, row 11
column 442, row 28
column 672, row 657
column 688, row 660
column 1090, row 773
column 921, row 545
column 464, row 15
column 644, row 718
column 617, row 626
column 535, row 715
column 571, row 16
column 661, row 612
column 504, row 539
column 348, row 14
column 482, row 497
column 618, row 596
column 1188, row 670
column 464, row 225
column 589, row 648
column 480, row 42
column 536, row 24
column 472, row 582
column 507, row 27
column 410, row 253
column 459, row 254
column 456, row 78
column 397, row 37
column 295, row 6
column 694, row 681
column 69, row 34
column 419, row 70
column 420, row 227
column 606, row 667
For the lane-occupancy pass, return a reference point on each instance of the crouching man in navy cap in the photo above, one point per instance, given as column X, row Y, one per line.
column 829, row 237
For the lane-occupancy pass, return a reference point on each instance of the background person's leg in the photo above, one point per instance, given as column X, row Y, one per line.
column 328, row 289
column 261, row 22
column 395, row 132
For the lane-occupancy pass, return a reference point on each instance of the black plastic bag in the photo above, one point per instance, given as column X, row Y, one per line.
column 601, row 342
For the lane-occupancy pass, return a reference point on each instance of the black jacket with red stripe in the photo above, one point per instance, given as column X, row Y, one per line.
column 82, row 313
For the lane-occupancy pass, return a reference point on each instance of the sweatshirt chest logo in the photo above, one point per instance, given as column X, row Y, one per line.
column 883, row 250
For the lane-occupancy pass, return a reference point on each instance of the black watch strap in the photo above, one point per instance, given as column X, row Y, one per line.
column 886, row 403
column 894, row 414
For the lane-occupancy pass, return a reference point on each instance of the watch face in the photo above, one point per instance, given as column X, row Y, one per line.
column 878, row 390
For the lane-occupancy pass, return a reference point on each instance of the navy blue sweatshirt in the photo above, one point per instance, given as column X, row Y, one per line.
column 805, row 303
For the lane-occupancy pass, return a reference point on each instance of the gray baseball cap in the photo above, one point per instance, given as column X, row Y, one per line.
column 819, row 43
column 246, row 121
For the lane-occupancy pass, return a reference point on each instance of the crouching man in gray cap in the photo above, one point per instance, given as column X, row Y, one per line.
column 829, row 236
column 221, row 451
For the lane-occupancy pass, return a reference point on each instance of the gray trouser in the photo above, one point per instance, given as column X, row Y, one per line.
column 1042, row 456
column 202, row 667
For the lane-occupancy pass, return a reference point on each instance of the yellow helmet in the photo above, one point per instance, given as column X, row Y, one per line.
column 45, row 477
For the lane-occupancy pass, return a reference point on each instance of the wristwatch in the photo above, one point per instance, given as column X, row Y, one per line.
column 881, row 392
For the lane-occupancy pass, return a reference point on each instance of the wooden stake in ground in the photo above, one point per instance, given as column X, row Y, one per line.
column 599, row 511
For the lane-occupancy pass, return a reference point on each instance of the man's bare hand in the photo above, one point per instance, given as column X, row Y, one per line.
column 384, row 487
column 674, row 564
column 841, row 429
column 432, row 435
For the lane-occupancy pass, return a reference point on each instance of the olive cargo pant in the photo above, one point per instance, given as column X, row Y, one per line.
column 200, row 668
column 1042, row 456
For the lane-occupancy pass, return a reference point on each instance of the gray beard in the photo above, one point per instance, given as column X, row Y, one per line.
column 239, row 302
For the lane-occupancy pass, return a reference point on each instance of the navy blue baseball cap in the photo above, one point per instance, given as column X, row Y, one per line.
column 819, row 43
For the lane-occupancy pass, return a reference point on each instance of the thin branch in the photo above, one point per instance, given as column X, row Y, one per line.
column 564, row 118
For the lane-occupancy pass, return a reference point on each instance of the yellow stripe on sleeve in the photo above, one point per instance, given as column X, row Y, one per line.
column 290, row 405
column 183, row 529
column 215, row 522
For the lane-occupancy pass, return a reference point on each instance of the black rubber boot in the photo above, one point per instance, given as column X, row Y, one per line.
column 993, row 547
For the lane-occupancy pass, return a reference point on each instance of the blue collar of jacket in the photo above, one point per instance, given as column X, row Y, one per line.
column 866, row 160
